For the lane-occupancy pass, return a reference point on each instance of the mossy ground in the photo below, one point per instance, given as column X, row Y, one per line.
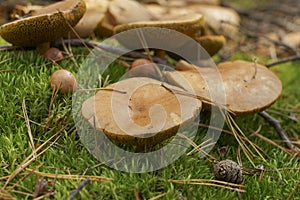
column 24, row 76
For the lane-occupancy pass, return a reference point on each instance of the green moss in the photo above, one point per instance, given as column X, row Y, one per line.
column 29, row 80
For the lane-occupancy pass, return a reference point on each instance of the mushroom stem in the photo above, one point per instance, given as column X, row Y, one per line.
column 42, row 48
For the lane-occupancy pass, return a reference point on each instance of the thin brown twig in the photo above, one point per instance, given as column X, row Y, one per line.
column 284, row 60
column 293, row 191
column 158, row 196
column 33, row 122
column 24, row 177
column 79, row 188
column 256, row 35
column 212, row 183
column 31, row 143
column 8, row 48
column 271, row 142
column 275, row 123
column 3, row 61
column 110, row 49
column 71, row 176
column 30, row 158
column 137, row 195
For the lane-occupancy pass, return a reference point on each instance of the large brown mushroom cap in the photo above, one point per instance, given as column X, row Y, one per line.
column 218, row 17
column 46, row 25
column 249, row 87
column 189, row 24
column 144, row 116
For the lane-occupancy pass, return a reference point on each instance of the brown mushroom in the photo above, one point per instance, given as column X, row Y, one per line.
column 157, row 33
column 139, row 112
column 121, row 12
column 94, row 15
column 220, row 19
column 189, row 24
column 45, row 25
column 249, row 87
column 127, row 11
column 63, row 81
column 211, row 43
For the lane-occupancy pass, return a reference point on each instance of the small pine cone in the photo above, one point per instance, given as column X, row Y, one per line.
column 229, row 171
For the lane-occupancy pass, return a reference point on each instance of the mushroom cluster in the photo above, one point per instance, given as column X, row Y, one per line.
column 125, row 111
column 248, row 86
column 104, row 18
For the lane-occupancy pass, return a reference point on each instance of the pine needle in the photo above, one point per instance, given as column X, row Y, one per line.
column 70, row 176
column 212, row 183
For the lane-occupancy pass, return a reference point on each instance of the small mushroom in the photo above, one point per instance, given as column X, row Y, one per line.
column 54, row 54
column 63, row 81
column 139, row 111
column 249, row 87
column 144, row 68
column 45, row 25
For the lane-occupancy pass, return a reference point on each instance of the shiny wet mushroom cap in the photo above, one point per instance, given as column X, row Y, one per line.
column 249, row 87
column 139, row 111
column 45, row 25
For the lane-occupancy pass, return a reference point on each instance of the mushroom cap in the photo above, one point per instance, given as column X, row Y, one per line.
column 88, row 23
column 157, row 33
column 92, row 18
column 211, row 43
column 249, row 87
column 215, row 15
column 45, row 25
column 147, row 114
column 127, row 11
column 189, row 24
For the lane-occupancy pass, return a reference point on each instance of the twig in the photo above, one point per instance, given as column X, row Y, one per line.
column 79, row 188
column 33, row 122
column 158, row 196
column 284, row 60
column 257, row 35
column 31, row 158
column 283, row 23
column 275, row 123
column 293, row 191
column 138, row 195
column 212, row 183
column 111, row 49
column 8, row 48
column 3, row 61
column 71, row 176
column 31, row 143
